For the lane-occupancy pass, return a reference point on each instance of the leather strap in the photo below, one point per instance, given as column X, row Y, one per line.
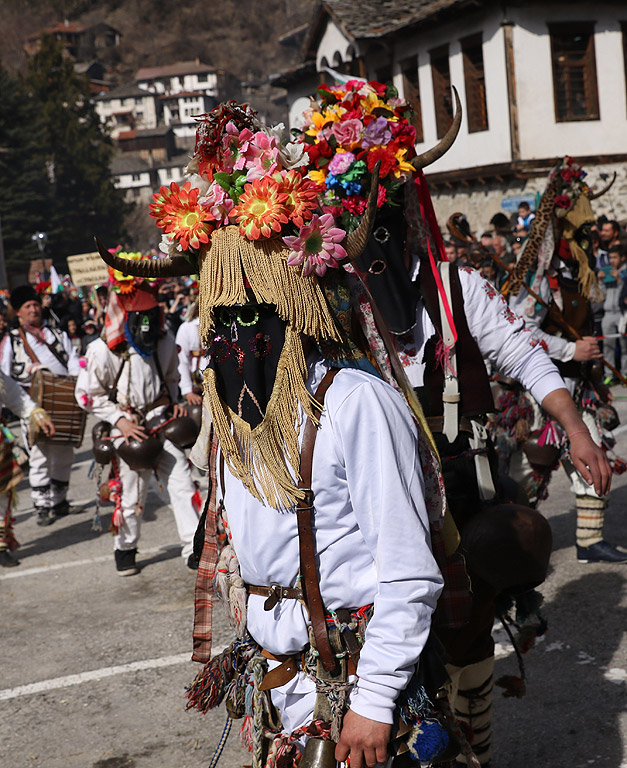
column 43, row 340
column 274, row 594
column 309, row 573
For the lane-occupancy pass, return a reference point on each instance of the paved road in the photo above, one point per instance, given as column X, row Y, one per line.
column 93, row 667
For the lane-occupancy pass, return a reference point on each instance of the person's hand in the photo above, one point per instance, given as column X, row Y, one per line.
column 178, row 411
column 365, row 740
column 591, row 462
column 193, row 399
column 587, row 348
column 47, row 427
column 130, row 429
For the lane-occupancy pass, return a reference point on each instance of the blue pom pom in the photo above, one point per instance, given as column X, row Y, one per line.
column 427, row 740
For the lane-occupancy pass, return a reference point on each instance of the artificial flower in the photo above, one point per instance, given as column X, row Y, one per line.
column 294, row 154
column 235, row 147
column 218, row 203
column 383, row 155
column 182, row 216
column 317, row 245
column 301, row 196
column 261, row 209
column 261, row 156
column 348, row 132
column 562, row 201
column 376, row 133
column 404, row 169
column 318, row 177
column 341, row 162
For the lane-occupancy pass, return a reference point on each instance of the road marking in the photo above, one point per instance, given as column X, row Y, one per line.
column 19, row 573
column 96, row 674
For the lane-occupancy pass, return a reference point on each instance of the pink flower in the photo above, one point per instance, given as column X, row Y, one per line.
column 348, row 132
column 262, row 156
column 341, row 162
column 235, row 145
column 87, row 401
column 82, row 361
column 316, row 246
column 218, row 203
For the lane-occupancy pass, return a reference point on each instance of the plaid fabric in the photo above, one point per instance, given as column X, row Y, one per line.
column 203, row 596
column 455, row 602
column 114, row 321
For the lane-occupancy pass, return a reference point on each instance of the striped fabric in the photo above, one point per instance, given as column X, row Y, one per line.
column 203, row 600
column 114, row 321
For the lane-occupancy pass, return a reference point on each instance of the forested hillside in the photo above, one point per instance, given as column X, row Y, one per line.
column 239, row 36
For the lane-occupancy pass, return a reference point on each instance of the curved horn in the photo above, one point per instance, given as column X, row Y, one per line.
column 593, row 196
column 445, row 143
column 167, row 267
column 356, row 241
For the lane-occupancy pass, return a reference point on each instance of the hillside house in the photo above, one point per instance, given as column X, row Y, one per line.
column 536, row 81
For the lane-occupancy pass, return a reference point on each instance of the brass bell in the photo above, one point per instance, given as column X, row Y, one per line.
column 318, row 753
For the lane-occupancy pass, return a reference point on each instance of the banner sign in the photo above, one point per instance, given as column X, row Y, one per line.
column 87, row 269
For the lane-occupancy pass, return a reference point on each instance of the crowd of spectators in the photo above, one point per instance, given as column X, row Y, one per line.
column 608, row 242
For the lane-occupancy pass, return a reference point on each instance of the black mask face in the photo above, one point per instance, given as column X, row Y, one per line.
column 142, row 330
column 583, row 238
column 245, row 351
column 382, row 262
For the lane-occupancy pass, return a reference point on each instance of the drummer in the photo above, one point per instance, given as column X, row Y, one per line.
column 34, row 345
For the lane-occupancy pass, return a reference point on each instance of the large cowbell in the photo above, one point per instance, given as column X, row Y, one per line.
column 382, row 265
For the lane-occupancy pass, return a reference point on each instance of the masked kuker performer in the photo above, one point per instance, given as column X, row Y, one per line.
column 558, row 264
column 129, row 382
column 315, row 462
column 445, row 321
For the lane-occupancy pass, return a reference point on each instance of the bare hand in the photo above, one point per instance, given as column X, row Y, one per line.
column 47, row 427
column 587, row 348
column 365, row 740
column 178, row 411
column 193, row 399
column 130, row 429
column 591, row 462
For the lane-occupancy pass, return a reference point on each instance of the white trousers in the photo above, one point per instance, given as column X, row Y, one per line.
column 174, row 475
column 49, row 467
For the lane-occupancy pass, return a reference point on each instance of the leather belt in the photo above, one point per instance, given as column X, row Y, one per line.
column 436, row 424
column 275, row 593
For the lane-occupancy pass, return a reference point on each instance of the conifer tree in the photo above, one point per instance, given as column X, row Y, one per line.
column 24, row 192
column 77, row 153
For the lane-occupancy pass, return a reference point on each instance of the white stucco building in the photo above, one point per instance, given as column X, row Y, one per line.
column 536, row 81
column 127, row 107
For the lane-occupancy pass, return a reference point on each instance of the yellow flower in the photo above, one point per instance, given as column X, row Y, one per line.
column 317, row 177
column 404, row 167
column 372, row 102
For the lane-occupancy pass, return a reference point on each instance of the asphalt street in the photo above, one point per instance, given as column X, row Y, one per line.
column 93, row 667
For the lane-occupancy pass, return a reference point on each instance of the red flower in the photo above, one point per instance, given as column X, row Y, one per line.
column 567, row 175
column 321, row 149
column 387, row 158
column 562, row 201
column 355, row 204
column 382, row 196
column 404, row 133
column 379, row 88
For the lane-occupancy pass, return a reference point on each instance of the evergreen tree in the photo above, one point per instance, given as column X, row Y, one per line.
column 24, row 191
column 78, row 153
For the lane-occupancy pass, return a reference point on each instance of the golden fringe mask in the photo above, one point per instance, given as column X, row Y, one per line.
column 232, row 267
column 262, row 457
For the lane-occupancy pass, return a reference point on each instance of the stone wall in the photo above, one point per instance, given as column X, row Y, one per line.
column 481, row 201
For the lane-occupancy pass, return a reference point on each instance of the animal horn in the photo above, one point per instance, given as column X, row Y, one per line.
column 593, row 196
column 443, row 146
column 356, row 241
column 167, row 267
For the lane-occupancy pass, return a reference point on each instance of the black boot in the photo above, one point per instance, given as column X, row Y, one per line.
column 7, row 560
column 125, row 562
column 61, row 509
column 45, row 516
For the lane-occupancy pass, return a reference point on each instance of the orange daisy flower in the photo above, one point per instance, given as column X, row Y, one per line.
column 302, row 196
column 178, row 213
column 261, row 209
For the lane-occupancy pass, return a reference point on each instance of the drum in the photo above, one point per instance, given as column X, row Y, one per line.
column 56, row 395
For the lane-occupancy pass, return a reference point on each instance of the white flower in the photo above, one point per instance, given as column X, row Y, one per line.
column 169, row 246
column 293, row 155
column 277, row 131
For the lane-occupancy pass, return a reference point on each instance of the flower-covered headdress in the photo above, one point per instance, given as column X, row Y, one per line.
column 561, row 224
column 253, row 220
